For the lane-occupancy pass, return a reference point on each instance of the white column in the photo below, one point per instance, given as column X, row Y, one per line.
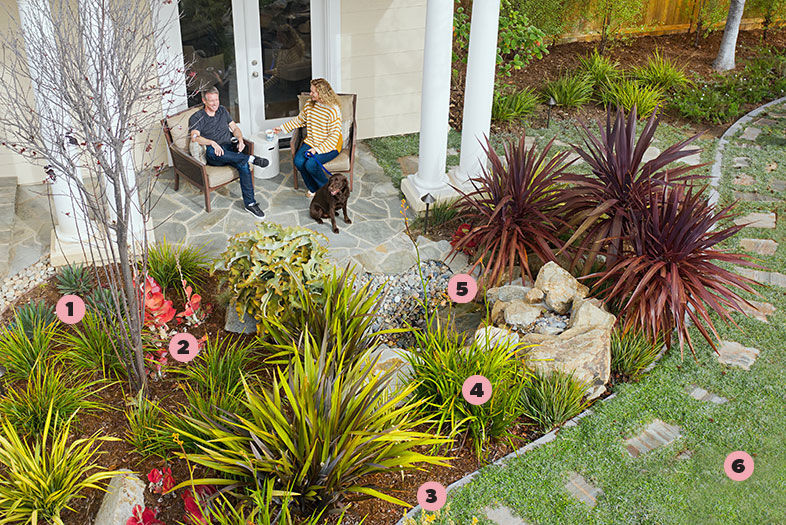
column 478, row 90
column 38, row 32
column 434, row 107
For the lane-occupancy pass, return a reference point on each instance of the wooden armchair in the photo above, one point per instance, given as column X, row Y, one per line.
column 345, row 162
column 208, row 178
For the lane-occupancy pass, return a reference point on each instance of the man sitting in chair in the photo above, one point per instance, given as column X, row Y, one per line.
column 214, row 128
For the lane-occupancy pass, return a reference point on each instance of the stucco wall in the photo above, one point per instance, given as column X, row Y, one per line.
column 382, row 61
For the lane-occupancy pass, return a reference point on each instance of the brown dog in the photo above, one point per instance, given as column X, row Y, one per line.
column 329, row 199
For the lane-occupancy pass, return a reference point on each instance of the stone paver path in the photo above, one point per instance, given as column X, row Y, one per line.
column 759, row 246
column 699, row 394
column 502, row 516
column 756, row 220
column 582, row 490
column 735, row 354
column 656, row 434
column 759, row 311
column 762, row 277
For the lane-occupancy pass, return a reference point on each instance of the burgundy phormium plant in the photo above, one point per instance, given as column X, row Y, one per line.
column 667, row 270
column 600, row 204
column 515, row 210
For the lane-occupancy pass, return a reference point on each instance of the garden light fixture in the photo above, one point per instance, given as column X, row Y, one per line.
column 428, row 199
column 552, row 103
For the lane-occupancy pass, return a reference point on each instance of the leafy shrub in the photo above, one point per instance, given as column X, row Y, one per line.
column 667, row 272
column 20, row 353
column 323, row 426
column 630, row 94
column 440, row 213
column 705, row 102
column 441, row 365
column 519, row 42
column 74, row 279
column 553, row 17
column 515, row 209
column 265, row 266
column 601, row 204
column 632, row 352
column 33, row 313
column 163, row 259
column 513, row 106
column 600, row 69
column 93, row 346
column 45, row 474
column 551, row 399
column 340, row 315
column 661, row 73
column 48, row 389
column 570, row 90
column 611, row 16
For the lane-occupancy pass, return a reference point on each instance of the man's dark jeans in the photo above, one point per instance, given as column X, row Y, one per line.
column 239, row 161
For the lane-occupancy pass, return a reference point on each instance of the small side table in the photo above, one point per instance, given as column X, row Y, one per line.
column 267, row 149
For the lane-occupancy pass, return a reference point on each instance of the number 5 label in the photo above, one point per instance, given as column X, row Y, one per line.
column 462, row 288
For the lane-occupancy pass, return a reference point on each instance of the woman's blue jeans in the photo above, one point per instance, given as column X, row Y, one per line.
column 313, row 174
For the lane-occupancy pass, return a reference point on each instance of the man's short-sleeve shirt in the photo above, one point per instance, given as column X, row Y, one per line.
column 212, row 128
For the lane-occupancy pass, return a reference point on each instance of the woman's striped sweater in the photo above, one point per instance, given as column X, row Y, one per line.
column 323, row 125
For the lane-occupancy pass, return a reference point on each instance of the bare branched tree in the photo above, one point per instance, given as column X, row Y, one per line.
column 82, row 93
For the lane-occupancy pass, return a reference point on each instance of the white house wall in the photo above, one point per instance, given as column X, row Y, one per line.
column 382, row 61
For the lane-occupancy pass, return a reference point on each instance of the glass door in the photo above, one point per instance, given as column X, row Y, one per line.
column 256, row 52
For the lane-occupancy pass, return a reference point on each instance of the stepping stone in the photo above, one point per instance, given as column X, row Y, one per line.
column 759, row 246
column 582, row 490
column 772, row 166
column 765, row 122
column 733, row 353
column 409, row 164
column 651, row 153
column 762, row 277
column 656, row 434
column 452, row 151
column 753, row 197
column 759, row 311
column 502, row 516
column 750, row 133
column 692, row 160
column 778, row 185
column 743, row 179
column 757, row 220
column 685, row 455
column 742, row 162
column 699, row 394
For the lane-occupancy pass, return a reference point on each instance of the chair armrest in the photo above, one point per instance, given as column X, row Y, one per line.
column 296, row 141
column 183, row 159
column 249, row 149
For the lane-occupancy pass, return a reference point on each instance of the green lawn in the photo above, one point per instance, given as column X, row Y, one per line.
column 657, row 487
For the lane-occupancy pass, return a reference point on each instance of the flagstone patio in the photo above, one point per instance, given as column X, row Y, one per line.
column 375, row 240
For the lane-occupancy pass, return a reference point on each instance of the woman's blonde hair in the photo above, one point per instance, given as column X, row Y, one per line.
column 325, row 92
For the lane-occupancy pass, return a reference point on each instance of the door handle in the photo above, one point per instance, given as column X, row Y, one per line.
column 255, row 74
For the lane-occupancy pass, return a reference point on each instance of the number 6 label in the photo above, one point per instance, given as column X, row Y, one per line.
column 183, row 347
column 738, row 465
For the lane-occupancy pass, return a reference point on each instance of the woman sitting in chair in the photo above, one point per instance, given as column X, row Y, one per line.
column 322, row 117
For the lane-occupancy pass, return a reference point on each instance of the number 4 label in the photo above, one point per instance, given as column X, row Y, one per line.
column 476, row 390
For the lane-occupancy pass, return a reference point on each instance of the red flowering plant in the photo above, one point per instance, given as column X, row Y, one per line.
column 461, row 231
column 161, row 481
column 194, row 313
column 197, row 499
column 144, row 516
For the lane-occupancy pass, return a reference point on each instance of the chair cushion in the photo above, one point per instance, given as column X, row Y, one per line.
column 178, row 125
column 197, row 151
column 218, row 175
column 340, row 163
column 346, row 113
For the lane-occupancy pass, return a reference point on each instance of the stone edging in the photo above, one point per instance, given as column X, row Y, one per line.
column 542, row 440
column 715, row 171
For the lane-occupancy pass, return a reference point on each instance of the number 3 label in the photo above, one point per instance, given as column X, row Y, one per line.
column 432, row 496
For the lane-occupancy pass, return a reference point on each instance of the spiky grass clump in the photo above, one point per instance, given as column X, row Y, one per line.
column 163, row 259
column 75, row 279
column 661, row 73
column 570, row 90
column 510, row 106
column 550, row 399
column 632, row 352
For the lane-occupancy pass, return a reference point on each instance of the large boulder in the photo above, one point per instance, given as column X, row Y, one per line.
column 559, row 286
column 585, row 314
column 124, row 492
column 521, row 314
column 507, row 293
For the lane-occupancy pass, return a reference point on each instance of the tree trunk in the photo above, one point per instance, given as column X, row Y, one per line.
column 698, row 32
column 725, row 59
column 766, row 23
